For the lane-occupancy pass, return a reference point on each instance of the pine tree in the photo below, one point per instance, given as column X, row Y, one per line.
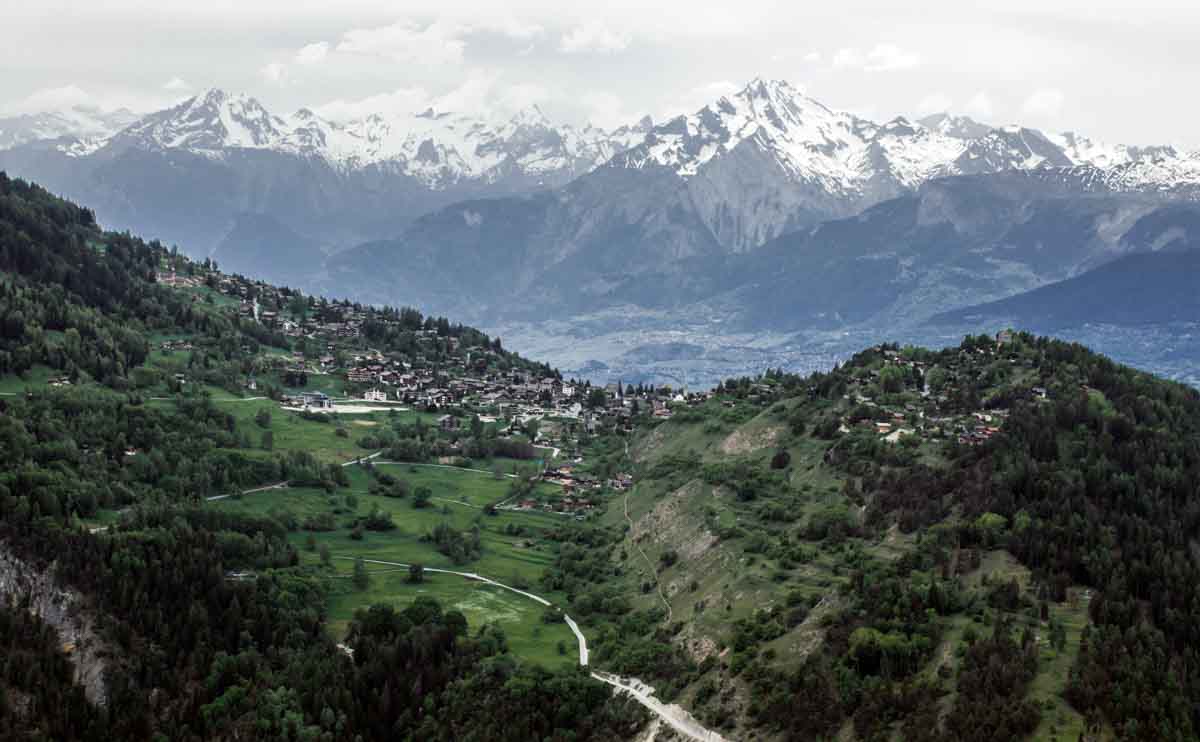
column 362, row 579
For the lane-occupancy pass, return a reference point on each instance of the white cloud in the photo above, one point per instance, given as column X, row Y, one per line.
column 688, row 101
column 66, row 97
column 810, row 57
column 53, row 99
column 717, row 89
column 176, row 83
column 511, row 27
column 512, row 98
column 312, row 53
column 881, row 58
column 934, row 103
column 437, row 44
column 887, row 57
column 848, row 57
column 274, row 73
column 606, row 110
column 594, row 37
column 980, row 106
column 474, row 95
column 481, row 93
column 1044, row 103
column 399, row 102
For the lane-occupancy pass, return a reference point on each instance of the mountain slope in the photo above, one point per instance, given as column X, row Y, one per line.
column 952, row 243
column 903, row 547
column 117, row 572
column 1142, row 289
column 770, row 158
column 190, row 171
column 955, row 241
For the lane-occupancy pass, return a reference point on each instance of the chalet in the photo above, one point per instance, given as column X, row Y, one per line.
column 449, row 422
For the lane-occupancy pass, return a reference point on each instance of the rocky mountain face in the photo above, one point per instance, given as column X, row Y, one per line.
column 68, row 612
column 438, row 149
column 955, row 242
column 765, row 209
column 755, row 185
column 769, row 159
column 192, row 173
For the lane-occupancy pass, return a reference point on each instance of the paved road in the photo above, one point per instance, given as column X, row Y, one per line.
column 283, row 485
column 679, row 719
column 361, row 459
column 276, row 486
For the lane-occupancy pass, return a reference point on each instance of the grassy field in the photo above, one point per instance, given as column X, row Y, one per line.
column 1059, row 720
column 512, row 551
column 518, row 617
column 34, row 378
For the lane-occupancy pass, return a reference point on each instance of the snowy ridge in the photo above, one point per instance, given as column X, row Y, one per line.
column 846, row 156
column 834, row 154
column 1082, row 150
column 79, row 122
column 808, row 141
column 437, row 148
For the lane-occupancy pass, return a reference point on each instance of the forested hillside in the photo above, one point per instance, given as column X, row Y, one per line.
column 97, row 422
column 994, row 541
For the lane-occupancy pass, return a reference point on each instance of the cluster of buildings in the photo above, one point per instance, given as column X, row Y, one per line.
column 926, row 417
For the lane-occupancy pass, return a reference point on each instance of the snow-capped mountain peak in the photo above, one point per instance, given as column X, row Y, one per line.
column 834, row 156
column 958, row 127
column 438, row 148
column 807, row 140
column 210, row 122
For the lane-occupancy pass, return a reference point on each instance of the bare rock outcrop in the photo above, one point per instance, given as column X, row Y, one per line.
column 34, row 587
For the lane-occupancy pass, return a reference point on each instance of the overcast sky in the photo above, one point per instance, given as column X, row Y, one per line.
column 1117, row 71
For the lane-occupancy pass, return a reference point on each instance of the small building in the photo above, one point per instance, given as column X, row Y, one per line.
column 317, row 400
column 449, row 422
column 375, row 395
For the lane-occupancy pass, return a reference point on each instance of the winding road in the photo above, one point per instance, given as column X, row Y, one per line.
column 672, row 715
column 677, row 718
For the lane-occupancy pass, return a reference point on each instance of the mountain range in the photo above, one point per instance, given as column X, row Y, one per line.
column 197, row 172
column 765, row 210
column 80, row 126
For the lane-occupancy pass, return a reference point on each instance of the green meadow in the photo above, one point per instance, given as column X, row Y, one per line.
column 512, row 550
